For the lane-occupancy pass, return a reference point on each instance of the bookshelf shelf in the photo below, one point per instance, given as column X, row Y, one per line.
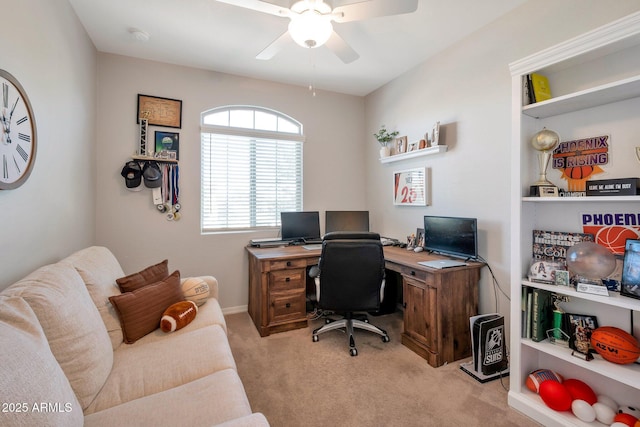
column 593, row 97
column 413, row 154
column 579, row 67
column 614, row 299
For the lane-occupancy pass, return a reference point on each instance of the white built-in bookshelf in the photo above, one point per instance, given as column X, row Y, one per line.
column 595, row 81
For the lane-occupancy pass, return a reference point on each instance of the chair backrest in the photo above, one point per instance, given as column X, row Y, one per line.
column 351, row 271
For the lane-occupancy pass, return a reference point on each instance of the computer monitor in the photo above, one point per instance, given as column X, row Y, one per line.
column 300, row 225
column 451, row 236
column 346, row 221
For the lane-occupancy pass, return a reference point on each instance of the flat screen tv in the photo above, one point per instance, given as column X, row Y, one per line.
column 300, row 225
column 346, row 221
column 453, row 236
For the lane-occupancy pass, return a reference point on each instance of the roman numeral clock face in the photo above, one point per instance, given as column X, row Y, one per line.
column 18, row 132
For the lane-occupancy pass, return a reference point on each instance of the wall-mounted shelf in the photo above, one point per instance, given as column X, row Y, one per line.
column 411, row 154
column 585, row 199
column 153, row 159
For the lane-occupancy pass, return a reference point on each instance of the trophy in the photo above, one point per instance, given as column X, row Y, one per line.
column 544, row 142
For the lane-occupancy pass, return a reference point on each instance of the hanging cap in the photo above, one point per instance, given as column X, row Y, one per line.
column 132, row 175
column 152, row 175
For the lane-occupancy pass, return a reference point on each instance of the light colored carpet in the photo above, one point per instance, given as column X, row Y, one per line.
column 296, row 382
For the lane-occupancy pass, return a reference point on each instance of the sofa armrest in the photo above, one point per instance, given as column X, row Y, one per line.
column 254, row 420
column 211, row 281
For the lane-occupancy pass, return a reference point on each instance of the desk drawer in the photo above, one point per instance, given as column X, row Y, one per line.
column 286, row 280
column 287, row 307
column 286, row 264
column 416, row 274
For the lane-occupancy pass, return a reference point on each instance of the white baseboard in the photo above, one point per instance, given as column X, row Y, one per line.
column 234, row 310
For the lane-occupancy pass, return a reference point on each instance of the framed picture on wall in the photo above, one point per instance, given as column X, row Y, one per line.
column 160, row 111
column 167, row 145
column 410, row 187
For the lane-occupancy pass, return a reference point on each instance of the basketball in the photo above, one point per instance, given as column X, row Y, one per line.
column 195, row 289
column 614, row 237
column 580, row 172
column 538, row 376
column 615, row 345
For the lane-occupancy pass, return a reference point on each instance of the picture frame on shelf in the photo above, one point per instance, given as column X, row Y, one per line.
column 168, row 143
column 158, row 111
column 401, row 145
column 413, row 146
column 630, row 281
column 581, row 326
column 435, row 134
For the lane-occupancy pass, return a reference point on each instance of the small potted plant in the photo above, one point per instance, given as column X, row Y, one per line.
column 384, row 137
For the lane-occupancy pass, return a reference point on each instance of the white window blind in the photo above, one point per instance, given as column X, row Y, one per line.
column 247, row 180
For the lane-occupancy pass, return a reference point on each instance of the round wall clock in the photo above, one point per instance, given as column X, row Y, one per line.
column 18, row 145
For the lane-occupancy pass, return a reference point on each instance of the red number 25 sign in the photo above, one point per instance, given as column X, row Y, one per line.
column 410, row 187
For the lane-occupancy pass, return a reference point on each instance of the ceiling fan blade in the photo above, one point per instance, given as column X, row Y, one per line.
column 342, row 50
column 275, row 47
column 260, row 6
column 373, row 9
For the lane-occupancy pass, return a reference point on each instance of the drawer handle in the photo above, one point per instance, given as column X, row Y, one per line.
column 288, row 263
column 288, row 305
column 288, row 279
column 413, row 273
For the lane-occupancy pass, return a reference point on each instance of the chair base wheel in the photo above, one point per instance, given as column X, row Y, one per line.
column 353, row 351
column 315, row 338
column 385, row 338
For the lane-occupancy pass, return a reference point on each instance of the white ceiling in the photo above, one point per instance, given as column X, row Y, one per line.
column 211, row 35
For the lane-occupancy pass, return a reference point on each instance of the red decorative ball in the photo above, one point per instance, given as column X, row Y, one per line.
column 627, row 419
column 537, row 377
column 615, row 345
column 555, row 395
column 580, row 390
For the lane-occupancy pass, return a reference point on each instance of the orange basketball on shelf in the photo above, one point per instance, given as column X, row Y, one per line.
column 614, row 237
column 580, row 172
column 615, row 345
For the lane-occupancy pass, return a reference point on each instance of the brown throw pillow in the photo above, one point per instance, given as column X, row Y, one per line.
column 140, row 311
column 149, row 275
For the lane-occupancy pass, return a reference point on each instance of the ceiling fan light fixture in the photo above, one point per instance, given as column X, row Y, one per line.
column 310, row 29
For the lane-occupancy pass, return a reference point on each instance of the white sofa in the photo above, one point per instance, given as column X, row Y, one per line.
column 63, row 361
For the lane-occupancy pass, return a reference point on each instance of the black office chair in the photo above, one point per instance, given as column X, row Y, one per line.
column 351, row 279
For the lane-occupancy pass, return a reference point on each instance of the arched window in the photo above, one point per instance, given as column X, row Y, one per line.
column 251, row 167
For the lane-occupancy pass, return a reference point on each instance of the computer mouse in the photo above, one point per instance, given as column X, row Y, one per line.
column 418, row 249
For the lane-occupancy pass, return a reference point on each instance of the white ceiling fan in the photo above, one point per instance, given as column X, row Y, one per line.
column 310, row 24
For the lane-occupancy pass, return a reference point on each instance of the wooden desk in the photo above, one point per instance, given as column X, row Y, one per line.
column 437, row 303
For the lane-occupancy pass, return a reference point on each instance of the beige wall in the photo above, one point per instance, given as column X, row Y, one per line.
column 468, row 89
column 129, row 223
column 85, row 110
column 52, row 214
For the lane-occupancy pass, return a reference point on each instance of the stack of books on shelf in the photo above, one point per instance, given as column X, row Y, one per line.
column 535, row 88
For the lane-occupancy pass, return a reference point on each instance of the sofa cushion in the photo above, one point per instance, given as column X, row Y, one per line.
column 152, row 274
column 99, row 269
column 140, row 311
column 207, row 401
column 143, row 369
column 73, row 327
column 30, row 374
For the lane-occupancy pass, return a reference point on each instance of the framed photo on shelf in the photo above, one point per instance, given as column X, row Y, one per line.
column 167, row 145
column 410, row 187
column 581, row 326
column 413, row 146
column 630, row 281
column 158, row 111
column 401, row 145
